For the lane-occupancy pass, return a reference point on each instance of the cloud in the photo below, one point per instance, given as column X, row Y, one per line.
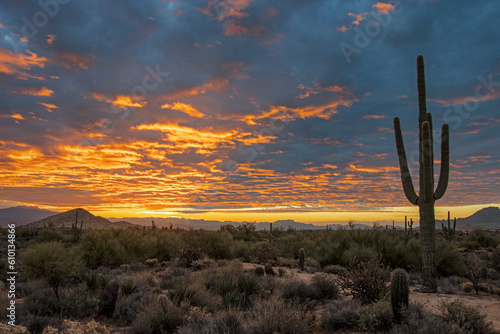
column 384, row 8
column 34, row 91
column 186, row 108
column 48, row 106
column 19, row 64
column 119, row 101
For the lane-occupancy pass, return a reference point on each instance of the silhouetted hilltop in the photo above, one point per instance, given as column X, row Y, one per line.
column 84, row 219
column 488, row 218
column 22, row 215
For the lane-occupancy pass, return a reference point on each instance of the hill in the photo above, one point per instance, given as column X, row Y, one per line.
column 488, row 218
column 84, row 219
column 22, row 215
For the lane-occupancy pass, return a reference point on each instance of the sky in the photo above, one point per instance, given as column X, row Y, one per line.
column 245, row 110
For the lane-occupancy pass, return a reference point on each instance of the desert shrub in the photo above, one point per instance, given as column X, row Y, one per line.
column 42, row 302
column 248, row 286
column 94, row 280
column 78, row 303
column 479, row 238
column 326, row 287
column 360, row 253
column 449, row 285
column 40, row 324
column 269, row 270
column 52, row 262
column 102, row 248
column 158, row 317
column 216, row 245
column 266, row 252
column 448, row 259
column 376, row 317
column 228, row 322
column 476, row 271
column 418, row 321
column 128, row 307
column 168, row 279
column 366, row 281
column 466, row 317
column 128, row 287
column 340, row 315
column 137, row 266
column 187, row 255
column 181, row 291
column 204, row 299
column 333, row 269
column 276, row 316
column 7, row 329
column 412, row 255
column 71, row 327
column 151, row 262
column 48, row 235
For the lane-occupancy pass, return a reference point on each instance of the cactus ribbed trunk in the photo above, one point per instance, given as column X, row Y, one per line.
column 426, row 196
column 428, row 242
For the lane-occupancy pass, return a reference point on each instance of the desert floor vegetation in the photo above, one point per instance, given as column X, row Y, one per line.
column 239, row 280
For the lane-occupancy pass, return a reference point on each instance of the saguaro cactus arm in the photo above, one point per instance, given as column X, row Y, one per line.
column 445, row 162
column 408, row 187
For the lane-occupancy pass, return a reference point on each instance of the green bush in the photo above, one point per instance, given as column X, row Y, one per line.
column 102, row 248
column 448, row 259
column 479, row 238
column 52, row 262
column 360, row 253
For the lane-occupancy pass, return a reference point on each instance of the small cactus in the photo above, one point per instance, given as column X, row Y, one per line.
column 301, row 259
column 449, row 232
column 269, row 270
column 259, row 271
column 399, row 292
column 107, row 301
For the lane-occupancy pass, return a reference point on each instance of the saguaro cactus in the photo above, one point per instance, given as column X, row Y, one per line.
column 427, row 196
column 449, row 232
column 301, row 259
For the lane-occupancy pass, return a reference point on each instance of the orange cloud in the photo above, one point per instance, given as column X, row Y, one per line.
column 212, row 85
column 48, row 106
column 18, row 64
column 34, row 91
column 342, row 28
column 233, row 28
column 17, row 116
column 358, row 18
column 383, row 8
column 324, row 111
column 120, row 101
column 467, row 99
column 188, row 137
column 186, row 108
column 318, row 89
column 374, row 116
column 71, row 60
column 50, row 38
column 222, row 9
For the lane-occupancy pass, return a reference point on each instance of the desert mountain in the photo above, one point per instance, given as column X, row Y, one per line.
column 21, row 215
column 84, row 219
column 488, row 218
